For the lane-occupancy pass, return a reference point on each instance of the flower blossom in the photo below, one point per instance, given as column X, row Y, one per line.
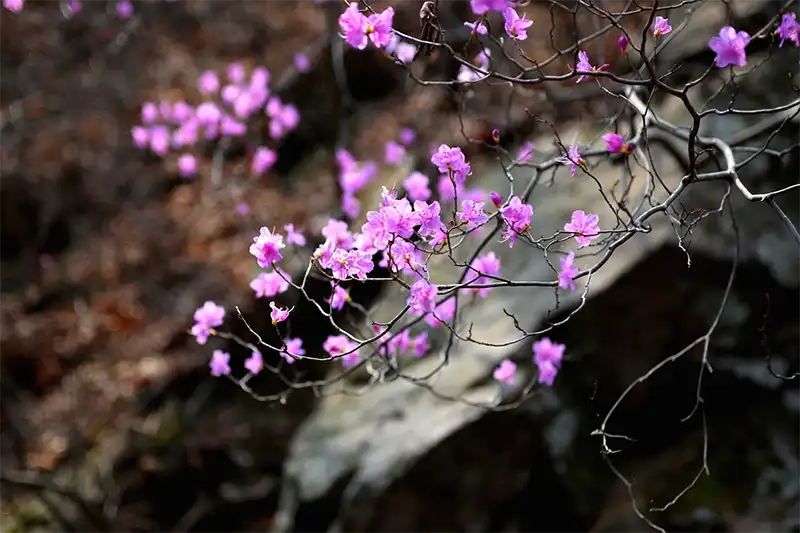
column 472, row 214
column 789, row 29
column 255, row 363
column 661, row 27
column 359, row 29
column 505, row 372
column 487, row 264
column 623, row 43
column 615, row 143
column 567, row 273
column 451, row 161
column 547, row 357
column 478, row 27
column 422, row 297
column 517, row 217
column 585, row 227
column 220, row 363
column 584, row 65
column 516, row 27
column 336, row 345
column 479, row 7
column 278, row 314
column 15, row 6
column 293, row 236
column 730, row 47
column 206, row 318
column 416, row 186
column 572, row 158
column 266, row 247
column 339, row 297
column 394, row 153
column 293, row 349
column 444, row 312
column 270, row 284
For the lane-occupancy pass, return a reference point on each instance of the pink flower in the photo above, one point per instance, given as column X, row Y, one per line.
column 572, row 158
column 525, row 152
column 585, row 227
column 254, row 364
column 567, row 273
column 208, row 82
column 263, row 160
column 208, row 114
column 338, row 232
column 351, row 207
column 416, row 186
column 236, row 73
column 278, row 314
column 339, row 297
column 444, row 312
column 661, row 27
column 293, row 236
column 149, row 113
column 293, row 349
column 487, row 264
column 422, row 297
column 515, row 26
column 74, row 6
column 789, row 29
column 301, row 62
column 419, row 344
column 220, row 363
column 14, row 6
column 505, row 372
column 242, row 208
column 730, row 47
column 270, row 284
column 159, row 140
column 404, row 256
column 496, row 199
column 517, row 217
column 141, row 136
column 407, row 136
column 405, row 52
column 451, row 161
column 336, row 345
column 547, row 357
column 429, row 217
column 207, row 317
column 477, row 27
column 187, row 165
column 472, row 214
column 358, row 30
column 615, row 143
column 124, row 9
column 479, row 7
column 266, row 247
column 584, row 65
column 622, row 43
column 394, row 153
column 379, row 28
column 324, row 253
column 354, row 263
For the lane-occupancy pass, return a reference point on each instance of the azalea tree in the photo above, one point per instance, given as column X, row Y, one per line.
column 433, row 214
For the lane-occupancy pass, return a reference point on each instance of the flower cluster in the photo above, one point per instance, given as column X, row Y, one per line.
column 546, row 355
column 223, row 114
column 206, row 318
column 14, row 6
column 408, row 225
column 359, row 30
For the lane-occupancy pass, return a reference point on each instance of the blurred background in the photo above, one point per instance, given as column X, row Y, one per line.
column 110, row 420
